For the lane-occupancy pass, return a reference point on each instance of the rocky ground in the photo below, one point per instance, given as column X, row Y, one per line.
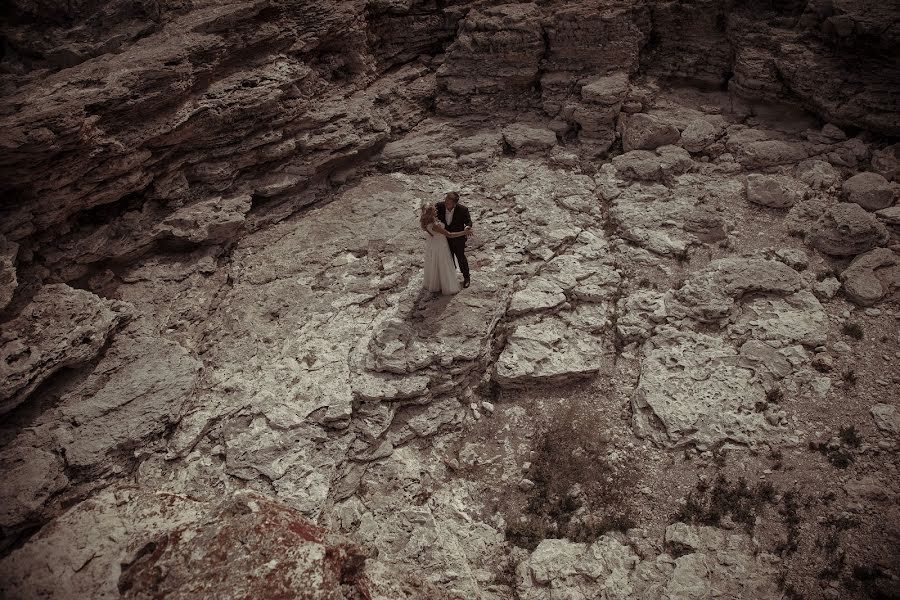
column 674, row 375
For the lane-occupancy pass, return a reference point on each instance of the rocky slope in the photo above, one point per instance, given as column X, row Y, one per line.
column 673, row 376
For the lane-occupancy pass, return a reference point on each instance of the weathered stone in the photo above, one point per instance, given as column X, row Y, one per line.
column 711, row 294
column 609, row 90
column 539, row 294
column 872, row 276
column 62, row 327
column 646, row 132
column 846, row 229
column 769, row 153
column 817, row 174
column 668, row 220
column 691, row 391
column 773, row 190
column 524, row 138
column 699, row 134
column 661, row 165
column 887, row 418
column 555, row 348
column 8, row 281
column 869, row 190
column 609, row 569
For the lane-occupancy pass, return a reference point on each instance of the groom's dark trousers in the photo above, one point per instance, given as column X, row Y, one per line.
column 461, row 219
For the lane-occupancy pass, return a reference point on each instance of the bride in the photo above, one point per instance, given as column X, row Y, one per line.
column 440, row 272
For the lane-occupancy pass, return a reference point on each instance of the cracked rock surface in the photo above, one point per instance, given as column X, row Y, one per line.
column 673, row 375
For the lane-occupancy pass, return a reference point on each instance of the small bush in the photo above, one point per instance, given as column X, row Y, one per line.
column 849, row 437
column 578, row 494
column 853, row 330
column 709, row 504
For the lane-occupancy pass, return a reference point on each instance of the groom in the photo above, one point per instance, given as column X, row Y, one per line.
column 455, row 217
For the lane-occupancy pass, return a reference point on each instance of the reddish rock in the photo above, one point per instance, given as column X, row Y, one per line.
column 250, row 547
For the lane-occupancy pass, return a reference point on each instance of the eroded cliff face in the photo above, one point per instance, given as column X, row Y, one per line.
column 672, row 375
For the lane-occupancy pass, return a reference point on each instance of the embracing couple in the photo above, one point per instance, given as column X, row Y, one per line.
column 447, row 224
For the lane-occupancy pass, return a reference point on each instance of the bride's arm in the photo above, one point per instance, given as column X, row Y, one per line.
column 438, row 228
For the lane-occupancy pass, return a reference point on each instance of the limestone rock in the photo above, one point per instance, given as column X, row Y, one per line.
column 607, row 91
column 795, row 318
column 668, row 220
column 8, row 282
column 524, row 138
column 136, row 392
column 647, row 132
column 775, row 191
column 661, row 165
column 817, row 174
column 869, row 190
column 699, row 134
column 769, row 153
column 711, row 294
column 691, row 391
column 609, row 569
column 539, row 294
column 32, row 475
column 887, row 418
column 465, row 85
column 62, row 327
column 846, row 229
column 872, row 276
column 555, row 348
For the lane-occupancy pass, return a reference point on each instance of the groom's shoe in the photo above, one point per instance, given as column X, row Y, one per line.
column 465, row 283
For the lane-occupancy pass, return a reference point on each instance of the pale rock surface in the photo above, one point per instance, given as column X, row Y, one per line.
column 769, row 153
column 667, row 221
column 712, row 293
column 692, row 391
column 607, row 568
column 61, row 327
column 869, row 190
column 887, row 418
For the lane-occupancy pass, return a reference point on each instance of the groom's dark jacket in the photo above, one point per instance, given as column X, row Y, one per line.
column 461, row 219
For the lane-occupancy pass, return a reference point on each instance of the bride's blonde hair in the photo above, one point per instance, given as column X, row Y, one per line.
column 427, row 217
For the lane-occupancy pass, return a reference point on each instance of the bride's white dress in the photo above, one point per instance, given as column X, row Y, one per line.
column 440, row 272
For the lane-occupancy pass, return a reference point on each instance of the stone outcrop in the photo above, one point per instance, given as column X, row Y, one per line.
column 847, row 230
column 62, row 327
column 872, row 276
column 869, row 190
column 608, row 568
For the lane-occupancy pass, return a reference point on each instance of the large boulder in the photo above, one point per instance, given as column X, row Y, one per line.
column 869, row 190
column 887, row 162
column 646, row 132
column 818, row 174
column 699, row 134
column 525, row 138
column 846, row 229
column 774, row 191
column 769, row 153
column 872, row 276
